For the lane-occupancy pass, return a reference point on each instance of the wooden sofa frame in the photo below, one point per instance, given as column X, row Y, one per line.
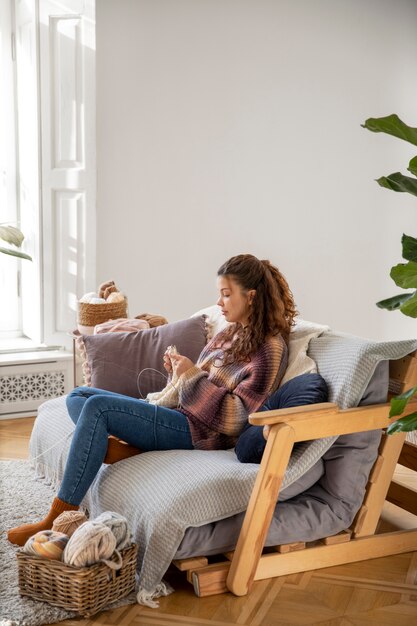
column 247, row 563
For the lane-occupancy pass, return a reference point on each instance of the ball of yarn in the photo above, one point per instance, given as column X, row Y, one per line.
column 106, row 288
column 47, row 543
column 68, row 522
column 97, row 301
column 87, row 296
column 118, row 526
column 92, row 543
column 115, row 296
column 153, row 320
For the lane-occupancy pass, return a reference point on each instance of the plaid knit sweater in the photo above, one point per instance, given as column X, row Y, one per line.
column 218, row 400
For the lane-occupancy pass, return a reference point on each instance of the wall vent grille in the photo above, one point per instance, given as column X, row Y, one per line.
column 29, row 379
column 32, row 386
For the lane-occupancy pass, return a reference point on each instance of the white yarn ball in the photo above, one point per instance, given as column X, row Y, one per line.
column 91, row 543
column 118, row 525
column 87, row 297
column 97, row 300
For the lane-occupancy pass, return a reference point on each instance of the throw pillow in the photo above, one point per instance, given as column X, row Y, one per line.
column 303, row 389
column 112, row 326
column 132, row 363
column 215, row 320
column 299, row 362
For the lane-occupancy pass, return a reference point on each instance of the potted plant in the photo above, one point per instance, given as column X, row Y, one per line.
column 403, row 274
column 15, row 237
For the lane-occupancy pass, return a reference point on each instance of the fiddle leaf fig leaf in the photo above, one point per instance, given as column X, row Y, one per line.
column 392, row 125
column 405, row 275
column 409, row 248
column 399, row 182
column 398, row 403
column 394, row 303
column 404, row 424
column 12, row 235
column 412, row 166
column 409, row 307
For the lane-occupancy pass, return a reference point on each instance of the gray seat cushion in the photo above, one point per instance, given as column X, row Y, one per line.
column 322, row 502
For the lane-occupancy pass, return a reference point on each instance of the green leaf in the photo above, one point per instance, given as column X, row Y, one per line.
column 409, row 248
column 405, row 275
column 394, row 303
column 17, row 253
column 11, row 235
column 410, row 306
column 392, row 125
column 399, row 403
column 404, row 424
column 399, row 182
column 412, row 166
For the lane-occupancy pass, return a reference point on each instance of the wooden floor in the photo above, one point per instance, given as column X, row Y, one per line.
column 381, row 591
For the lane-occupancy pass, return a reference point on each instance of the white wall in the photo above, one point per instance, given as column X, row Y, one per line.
column 229, row 126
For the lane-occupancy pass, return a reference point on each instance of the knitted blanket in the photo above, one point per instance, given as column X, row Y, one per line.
column 163, row 493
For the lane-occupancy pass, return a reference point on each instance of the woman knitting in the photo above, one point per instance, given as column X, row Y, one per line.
column 235, row 373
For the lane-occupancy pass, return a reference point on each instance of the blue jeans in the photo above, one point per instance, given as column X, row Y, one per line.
column 97, row 414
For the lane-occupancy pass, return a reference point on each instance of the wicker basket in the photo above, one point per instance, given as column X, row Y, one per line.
column 92, row 314
column 85, row 590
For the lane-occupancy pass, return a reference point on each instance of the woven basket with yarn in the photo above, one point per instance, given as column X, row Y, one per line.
column 96, row 308
column 92, row 314
column 86, row 590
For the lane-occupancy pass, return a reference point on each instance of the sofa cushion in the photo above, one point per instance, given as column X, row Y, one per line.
column 303, row 389
column 132, row 363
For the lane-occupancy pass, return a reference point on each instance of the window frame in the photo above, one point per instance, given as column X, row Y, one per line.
column 10, row 267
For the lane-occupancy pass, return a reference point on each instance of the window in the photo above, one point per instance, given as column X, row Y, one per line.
column 10, row 309
column 47, row 164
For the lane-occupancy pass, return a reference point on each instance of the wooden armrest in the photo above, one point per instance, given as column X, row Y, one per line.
column 279, row 416
column 315, row 421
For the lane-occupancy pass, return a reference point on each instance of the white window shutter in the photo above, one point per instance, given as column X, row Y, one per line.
column 67, row 96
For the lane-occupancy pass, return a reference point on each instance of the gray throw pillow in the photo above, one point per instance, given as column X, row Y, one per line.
column 132, row 363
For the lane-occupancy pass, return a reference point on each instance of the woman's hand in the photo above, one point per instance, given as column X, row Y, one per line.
column 167, row 361
column 180, row 364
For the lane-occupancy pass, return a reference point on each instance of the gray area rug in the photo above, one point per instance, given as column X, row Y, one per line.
column 24, row 499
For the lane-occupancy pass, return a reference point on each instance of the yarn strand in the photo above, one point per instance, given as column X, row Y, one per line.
column 67, row 436
column 152, row 369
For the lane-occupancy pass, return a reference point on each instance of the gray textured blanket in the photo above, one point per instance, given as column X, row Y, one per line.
column 163, row 493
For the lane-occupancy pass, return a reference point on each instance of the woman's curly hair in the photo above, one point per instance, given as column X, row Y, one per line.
column 272, row 311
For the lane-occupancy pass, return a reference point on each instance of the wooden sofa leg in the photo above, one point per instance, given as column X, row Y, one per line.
column 207, row 580
column 260, row 509
column 210, row 580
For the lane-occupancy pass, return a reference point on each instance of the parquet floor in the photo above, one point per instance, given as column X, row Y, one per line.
column 380, row 592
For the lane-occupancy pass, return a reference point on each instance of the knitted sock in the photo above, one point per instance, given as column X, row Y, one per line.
column 21, row 534
column 117, row 450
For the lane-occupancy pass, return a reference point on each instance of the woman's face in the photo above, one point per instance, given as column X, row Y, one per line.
column 234, row 302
